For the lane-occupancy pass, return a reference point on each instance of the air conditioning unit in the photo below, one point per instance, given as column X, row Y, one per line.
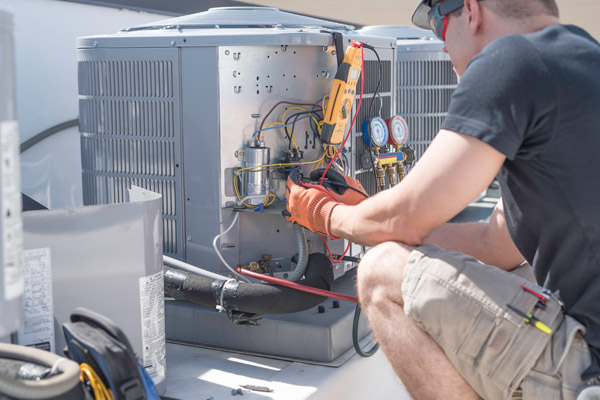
column 175, row 107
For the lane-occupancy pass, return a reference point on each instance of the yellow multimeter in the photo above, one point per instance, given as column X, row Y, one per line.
column 341, row 96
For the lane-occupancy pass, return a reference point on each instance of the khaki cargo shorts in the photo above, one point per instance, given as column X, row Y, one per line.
column 461, row 304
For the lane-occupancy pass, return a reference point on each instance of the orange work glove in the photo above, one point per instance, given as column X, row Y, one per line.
column 308, row 207
column 345, row 189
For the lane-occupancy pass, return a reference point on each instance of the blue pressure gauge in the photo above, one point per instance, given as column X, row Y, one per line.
column 379, row 132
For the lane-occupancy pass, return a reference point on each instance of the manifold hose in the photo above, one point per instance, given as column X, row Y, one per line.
column 298, row 272
column 255, row 298
column 46, row 388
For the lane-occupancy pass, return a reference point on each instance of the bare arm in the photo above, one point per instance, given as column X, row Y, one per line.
column 489, row 242
column 452, row 172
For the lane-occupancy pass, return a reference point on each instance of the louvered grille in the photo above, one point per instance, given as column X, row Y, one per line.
column 126, row 117
column 128, row 156
column 126, row 78
column 424, row 89
column 127, row 129
column 377, row 110
column 372, row 75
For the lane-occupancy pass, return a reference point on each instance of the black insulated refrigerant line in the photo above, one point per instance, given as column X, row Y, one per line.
column 255, row 298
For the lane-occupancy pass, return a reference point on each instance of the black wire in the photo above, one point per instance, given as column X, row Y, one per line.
column 360, row 351
column 47, row 133
column 344, row 185
column 380, row 70
column 297, row 115
column 380, row 74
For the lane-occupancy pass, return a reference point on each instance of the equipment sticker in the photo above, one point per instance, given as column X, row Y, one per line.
column 152, row 302
column 38, row 328
column 11, row 228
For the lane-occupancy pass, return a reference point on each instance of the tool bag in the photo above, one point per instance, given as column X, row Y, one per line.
column 97, row 341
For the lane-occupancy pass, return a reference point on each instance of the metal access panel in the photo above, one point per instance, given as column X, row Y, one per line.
column 130, row 129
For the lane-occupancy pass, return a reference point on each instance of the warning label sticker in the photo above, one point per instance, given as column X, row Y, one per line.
column 38, row 329
column 152, row 304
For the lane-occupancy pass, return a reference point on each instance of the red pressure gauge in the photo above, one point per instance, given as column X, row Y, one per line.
column 398, row 130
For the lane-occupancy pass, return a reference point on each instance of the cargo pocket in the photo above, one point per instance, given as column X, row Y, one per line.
column 477, row 335
column 505, row 353
column 538, row 386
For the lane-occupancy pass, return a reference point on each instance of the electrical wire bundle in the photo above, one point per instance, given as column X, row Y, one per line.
column 296, row 112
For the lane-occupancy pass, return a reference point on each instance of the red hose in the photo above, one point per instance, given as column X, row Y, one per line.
column 297, row 286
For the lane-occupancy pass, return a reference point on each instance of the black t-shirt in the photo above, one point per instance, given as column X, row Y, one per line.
column 536, row 99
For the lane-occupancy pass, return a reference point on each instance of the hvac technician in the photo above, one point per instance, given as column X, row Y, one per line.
column 527, row 110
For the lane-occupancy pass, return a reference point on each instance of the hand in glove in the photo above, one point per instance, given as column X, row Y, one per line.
column 309, row 207
column 345, row 189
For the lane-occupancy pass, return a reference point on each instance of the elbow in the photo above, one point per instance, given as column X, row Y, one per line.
column 409, row 232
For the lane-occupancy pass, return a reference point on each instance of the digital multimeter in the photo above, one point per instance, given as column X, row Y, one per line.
column 341, row 96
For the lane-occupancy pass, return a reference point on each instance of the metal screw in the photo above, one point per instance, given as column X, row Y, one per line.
column 189, row 238
column 226, row 52
column 324, row 48
column 235, row 392
column 172, row 43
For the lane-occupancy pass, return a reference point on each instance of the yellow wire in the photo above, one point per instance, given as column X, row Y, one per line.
column 277, row 123
column 270, row 198
column 98, row 387
column 280, row 165
column 273, row 124
column 292, row 133
column 292, row 136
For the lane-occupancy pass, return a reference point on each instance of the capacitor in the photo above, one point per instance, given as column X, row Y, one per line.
column 256, row 180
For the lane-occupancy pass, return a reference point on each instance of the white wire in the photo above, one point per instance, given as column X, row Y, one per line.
column 183, row 266
column 235, row 219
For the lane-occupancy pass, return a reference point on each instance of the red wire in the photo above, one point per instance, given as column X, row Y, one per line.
column 297, row 286
column 329, row 251
column 362, row 86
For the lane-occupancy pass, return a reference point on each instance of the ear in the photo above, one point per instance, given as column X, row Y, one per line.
column 474, row 15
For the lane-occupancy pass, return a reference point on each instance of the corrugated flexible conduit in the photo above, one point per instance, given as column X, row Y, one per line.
column 298, row 272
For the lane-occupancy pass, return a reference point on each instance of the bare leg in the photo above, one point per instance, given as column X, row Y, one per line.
column 419, row 361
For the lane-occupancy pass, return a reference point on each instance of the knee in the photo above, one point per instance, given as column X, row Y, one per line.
column 380, row 272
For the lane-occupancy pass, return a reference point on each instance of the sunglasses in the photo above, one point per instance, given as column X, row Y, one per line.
column 438, row 16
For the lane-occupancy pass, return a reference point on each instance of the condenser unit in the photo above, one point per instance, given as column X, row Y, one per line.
column 175, row 107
